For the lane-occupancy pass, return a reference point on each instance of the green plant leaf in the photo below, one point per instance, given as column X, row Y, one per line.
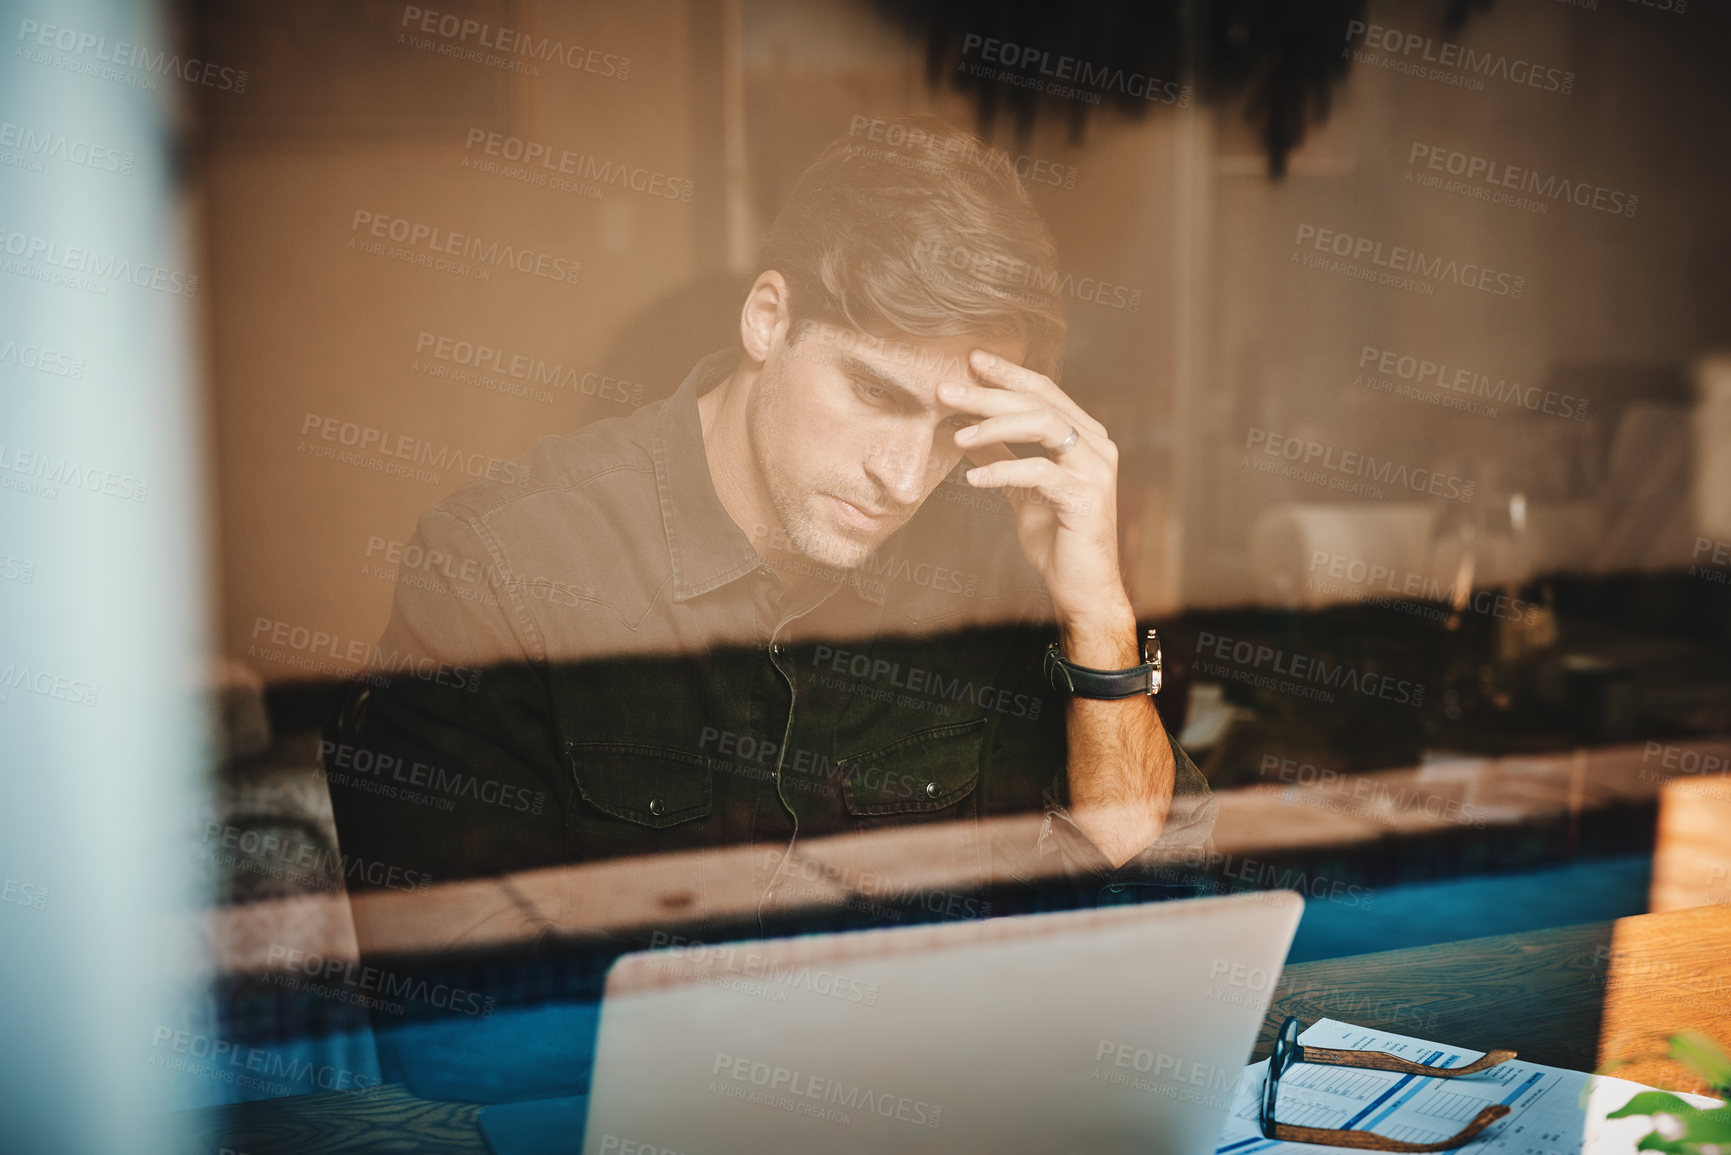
column 1651, row 1103
column 1703, row 1056
column 1653, row 1142
column 1712, row 1125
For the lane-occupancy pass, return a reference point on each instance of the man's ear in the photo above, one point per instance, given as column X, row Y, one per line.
column 765, row 322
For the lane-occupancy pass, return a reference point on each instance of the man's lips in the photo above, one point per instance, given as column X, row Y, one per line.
column 863, row 516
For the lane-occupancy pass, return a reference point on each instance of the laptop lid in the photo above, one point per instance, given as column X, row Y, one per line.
column 1120, row 1029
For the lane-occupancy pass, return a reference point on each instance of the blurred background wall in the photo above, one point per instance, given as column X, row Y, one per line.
column 364, row 113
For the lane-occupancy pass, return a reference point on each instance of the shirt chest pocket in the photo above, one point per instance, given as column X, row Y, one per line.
column 651, row 786
column 927, row 772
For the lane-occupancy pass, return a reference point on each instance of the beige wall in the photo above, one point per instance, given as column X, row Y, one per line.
column 304, row 322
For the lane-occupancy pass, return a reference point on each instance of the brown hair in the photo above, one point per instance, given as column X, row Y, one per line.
column 912, row 225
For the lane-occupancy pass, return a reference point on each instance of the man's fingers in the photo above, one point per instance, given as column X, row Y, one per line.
column 1009, row 375
column 983, row 400
column 1014, row 378
column 1041, row 475
column 989, row 401
column 1048, row 427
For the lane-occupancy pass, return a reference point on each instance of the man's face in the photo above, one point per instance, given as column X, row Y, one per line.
column 850, row 437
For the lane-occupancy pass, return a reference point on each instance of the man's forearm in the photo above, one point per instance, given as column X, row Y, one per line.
column 1120, row 765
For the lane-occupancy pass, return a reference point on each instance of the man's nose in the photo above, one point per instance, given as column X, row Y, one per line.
column 902, row 468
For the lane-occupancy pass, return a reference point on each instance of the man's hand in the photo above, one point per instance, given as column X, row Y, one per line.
column 1120, row 768
column 1066, row 505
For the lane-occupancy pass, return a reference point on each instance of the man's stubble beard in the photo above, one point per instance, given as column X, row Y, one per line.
column 805, row 529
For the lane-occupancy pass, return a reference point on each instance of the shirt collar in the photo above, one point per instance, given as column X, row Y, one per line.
column 706, row 548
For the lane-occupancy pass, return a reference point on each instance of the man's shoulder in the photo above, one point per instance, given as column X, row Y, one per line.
column 573, row 525
column 604, row 465
column 577, row 525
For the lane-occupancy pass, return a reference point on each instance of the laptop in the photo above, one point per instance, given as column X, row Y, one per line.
column 1119, row 1029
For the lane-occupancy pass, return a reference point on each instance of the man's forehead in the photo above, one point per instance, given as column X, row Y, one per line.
column 910, row 361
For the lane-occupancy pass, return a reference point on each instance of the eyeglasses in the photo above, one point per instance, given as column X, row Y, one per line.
column 1288, row 1051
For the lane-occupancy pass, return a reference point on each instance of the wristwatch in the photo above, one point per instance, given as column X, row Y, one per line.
column 1085, row 682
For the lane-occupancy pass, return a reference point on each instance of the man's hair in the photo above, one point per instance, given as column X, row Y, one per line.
column 911, row 225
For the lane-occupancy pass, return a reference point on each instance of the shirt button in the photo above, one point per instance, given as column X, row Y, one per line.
column 656, row 806
column 933, row 790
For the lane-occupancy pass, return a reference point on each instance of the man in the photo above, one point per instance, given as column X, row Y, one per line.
column 805, row 599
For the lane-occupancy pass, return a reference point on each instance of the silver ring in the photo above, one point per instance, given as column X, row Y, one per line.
column 1068, row 443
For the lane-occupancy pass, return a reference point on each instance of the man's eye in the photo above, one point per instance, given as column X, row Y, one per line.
column 871, row 392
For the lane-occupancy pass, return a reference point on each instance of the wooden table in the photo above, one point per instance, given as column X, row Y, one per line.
column 1570, row 997
column 1576, row 996
column 388, row 1118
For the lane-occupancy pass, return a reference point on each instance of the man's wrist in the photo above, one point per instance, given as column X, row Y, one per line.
column 1102, row 640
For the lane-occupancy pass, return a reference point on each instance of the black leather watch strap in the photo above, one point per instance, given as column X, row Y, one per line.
column 1067, row 677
